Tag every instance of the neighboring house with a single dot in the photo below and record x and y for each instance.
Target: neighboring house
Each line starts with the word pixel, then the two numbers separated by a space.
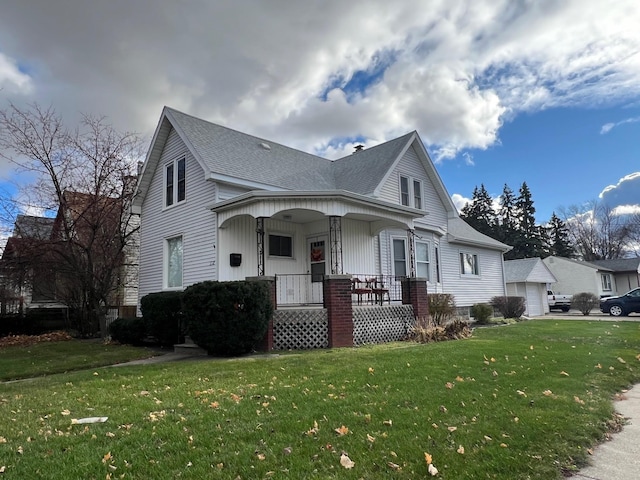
pixel 528 278
pixel 625 274
pixel 218 204
pixel 24 275
pixel 576 276
pixel 32 272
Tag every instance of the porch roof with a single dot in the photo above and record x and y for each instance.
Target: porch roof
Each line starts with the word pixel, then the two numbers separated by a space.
pixel 340 203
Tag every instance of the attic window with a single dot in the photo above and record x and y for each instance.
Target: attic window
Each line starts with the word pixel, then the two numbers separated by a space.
pixel 175 182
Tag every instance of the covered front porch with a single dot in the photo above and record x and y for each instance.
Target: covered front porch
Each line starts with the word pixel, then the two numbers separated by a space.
pixel 300 237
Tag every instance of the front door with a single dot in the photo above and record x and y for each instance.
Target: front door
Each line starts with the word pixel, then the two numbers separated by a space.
pixel 317 266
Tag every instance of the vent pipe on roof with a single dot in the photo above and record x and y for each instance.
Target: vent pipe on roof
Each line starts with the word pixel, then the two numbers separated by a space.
pixel 358 148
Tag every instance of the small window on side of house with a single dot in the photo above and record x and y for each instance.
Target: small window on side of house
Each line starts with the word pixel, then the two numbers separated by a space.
pixel 468 264
pixel 175 182
pixel 417 194
pixel 173 262
pixel 404 191
pixel 606 282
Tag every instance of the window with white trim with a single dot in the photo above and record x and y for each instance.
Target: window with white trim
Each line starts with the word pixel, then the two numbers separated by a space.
pixel 411 192
pixel 399 252
pixel 423 268
pixel 173 262
pixel 605 278
pixel 175 182
pixel 469 264
pixel 280 245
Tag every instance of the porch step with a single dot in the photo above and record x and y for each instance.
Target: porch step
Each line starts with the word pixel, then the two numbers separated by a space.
pixel 189 348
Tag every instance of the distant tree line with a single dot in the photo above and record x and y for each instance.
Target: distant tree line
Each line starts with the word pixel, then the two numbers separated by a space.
pixel 593 232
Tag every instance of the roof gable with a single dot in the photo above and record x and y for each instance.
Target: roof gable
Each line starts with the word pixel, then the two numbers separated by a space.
pixel 531 270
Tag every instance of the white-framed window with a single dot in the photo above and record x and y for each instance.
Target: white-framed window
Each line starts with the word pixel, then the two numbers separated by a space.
pixel 173 262
pixel 175 182
pixel 423 263
pixel 436 254
pixel 411 192
pixel 469 264
pixel 280 245
pixel 605 278
pixel 417 194
pixel 399 253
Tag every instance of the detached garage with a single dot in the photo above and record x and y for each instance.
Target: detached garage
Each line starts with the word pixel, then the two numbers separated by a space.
pixel 529 278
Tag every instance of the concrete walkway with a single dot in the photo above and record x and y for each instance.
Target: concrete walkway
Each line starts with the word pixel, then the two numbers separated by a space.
pixel 619 458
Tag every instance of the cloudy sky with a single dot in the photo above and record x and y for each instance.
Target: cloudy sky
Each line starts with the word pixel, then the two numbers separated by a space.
pixel 501 91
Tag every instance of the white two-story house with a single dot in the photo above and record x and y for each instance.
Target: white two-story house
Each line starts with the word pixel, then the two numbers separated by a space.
pixel 218 204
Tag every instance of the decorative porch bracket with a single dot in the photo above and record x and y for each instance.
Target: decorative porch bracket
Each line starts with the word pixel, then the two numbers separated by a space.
pixel 335 244
pixel 411 234
pixel 260 244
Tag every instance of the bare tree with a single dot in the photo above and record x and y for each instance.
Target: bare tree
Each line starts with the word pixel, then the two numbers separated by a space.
pixel 597 232
pixel 87 176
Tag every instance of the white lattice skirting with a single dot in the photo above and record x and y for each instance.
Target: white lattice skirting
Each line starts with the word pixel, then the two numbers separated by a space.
pixel 300 329
pixel 381 324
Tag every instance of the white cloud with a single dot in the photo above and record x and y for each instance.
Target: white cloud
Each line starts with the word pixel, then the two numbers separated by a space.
pixel 454 71
pixel 459 201
pixel 624 193
pixel 12 79
pixel 607 127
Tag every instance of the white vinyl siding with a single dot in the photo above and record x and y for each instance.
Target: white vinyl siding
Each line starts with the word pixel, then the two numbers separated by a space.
pixel 410 166
pixel 188 218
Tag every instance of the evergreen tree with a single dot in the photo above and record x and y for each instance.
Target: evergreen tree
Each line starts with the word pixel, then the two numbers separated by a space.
pixel 558 238
pixel 528 241
pixel 506 228
pixel 479 212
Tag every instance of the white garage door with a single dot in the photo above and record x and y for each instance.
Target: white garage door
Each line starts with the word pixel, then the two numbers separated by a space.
pixel 534 300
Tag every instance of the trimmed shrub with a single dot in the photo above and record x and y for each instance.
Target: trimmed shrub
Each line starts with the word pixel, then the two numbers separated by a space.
pixel 509 307
pixel 585 302
pixel 227 318
pixel 457 329
pixel 442 308
pixel 130 330
pixel 162 313
pixel 482 312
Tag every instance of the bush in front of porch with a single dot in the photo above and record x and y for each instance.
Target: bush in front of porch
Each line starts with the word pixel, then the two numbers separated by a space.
pixel 227 318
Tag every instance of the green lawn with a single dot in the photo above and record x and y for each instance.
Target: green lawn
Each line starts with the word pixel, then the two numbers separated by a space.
pixel 58 357
pixel 522 401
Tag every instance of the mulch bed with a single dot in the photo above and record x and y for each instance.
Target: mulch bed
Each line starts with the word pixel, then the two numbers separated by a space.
pixel 26 340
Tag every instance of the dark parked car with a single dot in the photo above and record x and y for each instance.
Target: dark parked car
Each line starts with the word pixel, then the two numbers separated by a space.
pixel 622 304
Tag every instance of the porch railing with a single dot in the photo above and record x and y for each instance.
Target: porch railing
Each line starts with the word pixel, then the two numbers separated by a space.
pixel 306 289
pixel 298 289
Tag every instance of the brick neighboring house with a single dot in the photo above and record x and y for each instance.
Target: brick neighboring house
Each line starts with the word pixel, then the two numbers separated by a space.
pixel 34 273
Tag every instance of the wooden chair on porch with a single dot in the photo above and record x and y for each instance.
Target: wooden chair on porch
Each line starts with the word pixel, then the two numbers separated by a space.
pixel 360 288
pixel 378 290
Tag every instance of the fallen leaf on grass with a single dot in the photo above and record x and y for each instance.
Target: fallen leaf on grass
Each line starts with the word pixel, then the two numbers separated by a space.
pixel 388 423
pixel 621 360
pixel 65 412
pixel 107 457
pixel 564 373
pixel 346 462
pixel 460 450
pixel 449 385
pixel 432 470
pixel 452 429
pixel 547 393
pixel 520 392
pixel 370 438
pixel 428 458
pixel 578 400
pixel 394 466
pixel 341 431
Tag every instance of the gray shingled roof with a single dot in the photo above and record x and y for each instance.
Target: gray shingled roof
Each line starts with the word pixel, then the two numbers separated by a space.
pixel 363 171
pixel 527 270
pixel 461 232
pixel 619 264
pixel 229 152
pixel 28 226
